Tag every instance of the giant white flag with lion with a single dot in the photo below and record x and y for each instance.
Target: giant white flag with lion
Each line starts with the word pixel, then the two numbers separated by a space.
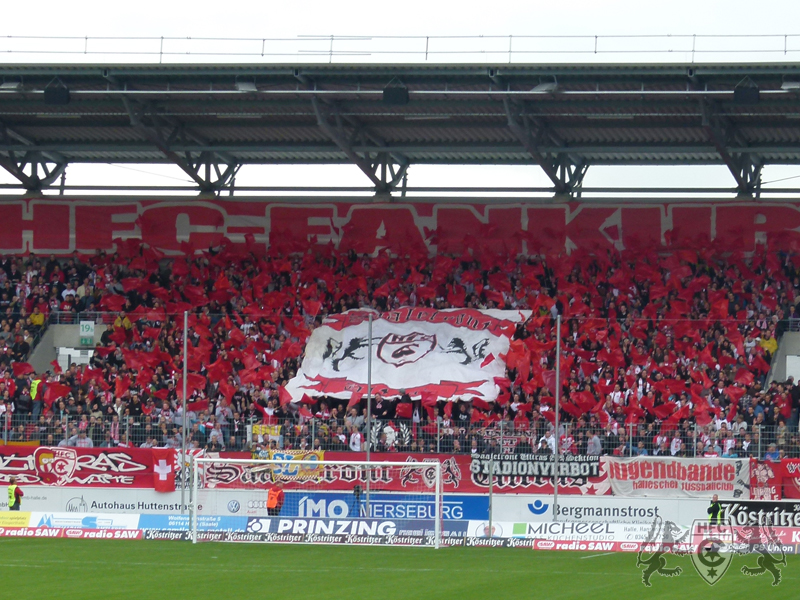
pixel 441 353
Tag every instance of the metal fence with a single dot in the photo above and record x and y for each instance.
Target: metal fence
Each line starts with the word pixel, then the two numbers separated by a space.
pixel 406 436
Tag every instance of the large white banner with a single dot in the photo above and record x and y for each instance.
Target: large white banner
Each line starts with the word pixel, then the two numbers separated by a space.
pixel 679 477
pixel 445 353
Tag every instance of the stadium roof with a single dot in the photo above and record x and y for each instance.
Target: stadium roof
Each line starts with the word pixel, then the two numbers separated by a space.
pixel 211 119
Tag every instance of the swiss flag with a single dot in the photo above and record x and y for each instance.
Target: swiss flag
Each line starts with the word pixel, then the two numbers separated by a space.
pixel 164 469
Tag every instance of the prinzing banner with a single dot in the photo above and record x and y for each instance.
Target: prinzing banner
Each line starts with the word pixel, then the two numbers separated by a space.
pixel 443 353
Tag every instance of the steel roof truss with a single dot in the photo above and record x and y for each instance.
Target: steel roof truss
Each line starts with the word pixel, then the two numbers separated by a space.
pixel 210 170
pixel 745 167
pixel 565 170
pixel 385 170
pixel 35 169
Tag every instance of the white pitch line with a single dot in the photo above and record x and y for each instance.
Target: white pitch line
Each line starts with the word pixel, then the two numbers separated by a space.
pixel 594 555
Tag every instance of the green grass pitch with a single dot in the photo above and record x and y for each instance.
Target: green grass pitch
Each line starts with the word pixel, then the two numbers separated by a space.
pixel 139 570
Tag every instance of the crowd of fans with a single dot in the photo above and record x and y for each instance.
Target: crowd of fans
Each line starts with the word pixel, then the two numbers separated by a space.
pixel 660 353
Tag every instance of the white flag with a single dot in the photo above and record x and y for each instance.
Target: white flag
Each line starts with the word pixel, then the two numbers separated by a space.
pixel 446 353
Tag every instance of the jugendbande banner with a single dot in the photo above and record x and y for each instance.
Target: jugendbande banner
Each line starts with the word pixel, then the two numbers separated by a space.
pixel 441 353
pixel 92 467
pixel 676 477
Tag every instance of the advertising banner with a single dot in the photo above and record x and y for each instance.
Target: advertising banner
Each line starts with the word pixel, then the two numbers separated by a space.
pixel 84 520
pixel 382 505
pixel 174 225
pixel 85 467
pixel 182 522
pixel 755 512
pixel 563 531
pixel 441 353
pixel 601 509
pixel 353 531
pixel 679 477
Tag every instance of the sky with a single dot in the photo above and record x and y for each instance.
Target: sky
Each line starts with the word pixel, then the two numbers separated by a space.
pixel 288 20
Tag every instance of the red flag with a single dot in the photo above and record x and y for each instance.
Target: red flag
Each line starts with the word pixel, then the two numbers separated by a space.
pixel 549 378
pixel 284 396
pixel 760 364
pixel 312 307
pixel 164 469
pixel 54 392
pixel 355 398
pixel 702 414
pixel 197 405
pixel 477 416
pixel 732 411
pixel 21 368
pixel 227 390
pixel 57 367
pixel 488 360
pixel 480 404
pixel 404 410
pixel 744 377
pixel 428 399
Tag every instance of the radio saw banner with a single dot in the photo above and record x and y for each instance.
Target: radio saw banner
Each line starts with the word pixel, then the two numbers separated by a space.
pixel 441 353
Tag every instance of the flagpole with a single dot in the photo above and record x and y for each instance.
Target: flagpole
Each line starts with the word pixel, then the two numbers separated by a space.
pixel 558 410
pixel 369 401
pixel 183 431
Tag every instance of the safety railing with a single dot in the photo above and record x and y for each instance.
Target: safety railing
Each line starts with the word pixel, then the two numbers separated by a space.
pixel 406 49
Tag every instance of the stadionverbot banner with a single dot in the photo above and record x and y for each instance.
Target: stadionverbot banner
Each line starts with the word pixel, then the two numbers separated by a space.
pixel 441 353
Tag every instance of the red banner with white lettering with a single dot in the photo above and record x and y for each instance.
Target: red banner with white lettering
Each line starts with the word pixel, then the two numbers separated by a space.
pixel 679 477
pixel 93 467
pixel 791 477
pixel 177 226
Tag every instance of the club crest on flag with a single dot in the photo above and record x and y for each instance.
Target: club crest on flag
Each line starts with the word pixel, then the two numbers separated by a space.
pixel 403 349
pixel 55 466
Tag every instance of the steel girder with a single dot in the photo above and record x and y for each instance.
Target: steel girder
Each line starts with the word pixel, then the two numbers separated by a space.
pixel 211 170
pixel 744 166
pixel 384 168
pixel 34 168
pixel 563 168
